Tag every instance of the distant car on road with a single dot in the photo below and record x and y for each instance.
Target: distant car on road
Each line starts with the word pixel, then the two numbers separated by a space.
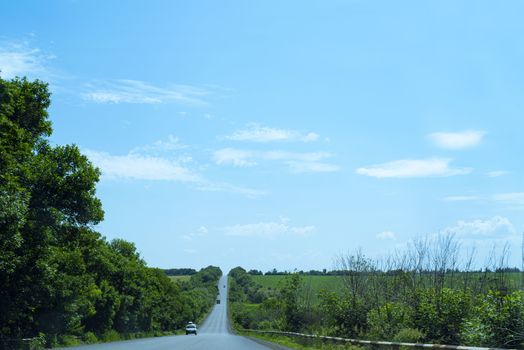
pixel 218 301
pixel 191 328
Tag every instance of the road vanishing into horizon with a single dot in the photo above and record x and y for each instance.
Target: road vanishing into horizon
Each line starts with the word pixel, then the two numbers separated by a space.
pixel 214 334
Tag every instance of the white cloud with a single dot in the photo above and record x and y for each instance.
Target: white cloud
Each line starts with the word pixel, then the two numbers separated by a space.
pixel 226 187
pixel 514 199
pixel 387 235
pixel 138 167
pixel 294 156
pixel 409 168
pixel 270 229
pixel 172 143
pixel 457 140
pixel 235 157
pixel 18 59
pixel 312 167
pixel 497 227
pixel 497 173
pixel 461 198
pixel 296 162
pixel 140 92
pixel 200 232
pixel 309 137
pixel 259 133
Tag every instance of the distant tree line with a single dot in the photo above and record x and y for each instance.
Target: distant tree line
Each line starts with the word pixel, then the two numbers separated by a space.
pixel 60 280
pixel 180 272
pixel 324 272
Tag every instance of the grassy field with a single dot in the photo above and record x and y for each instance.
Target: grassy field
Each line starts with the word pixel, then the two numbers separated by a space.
pixel 312 283
pixel 334 283
pixel 315 282
pixel 179 278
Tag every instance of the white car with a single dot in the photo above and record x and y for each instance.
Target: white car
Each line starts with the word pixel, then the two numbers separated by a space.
pixel 191 328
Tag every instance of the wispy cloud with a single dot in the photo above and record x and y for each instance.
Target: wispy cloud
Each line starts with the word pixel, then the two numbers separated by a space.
pixel 235 157
pixel 211 186
pixel 461 198
pixel 387 235
pixel 172 143
pixel 202 231
pixel 295 161
pixel 19 59
pixel 410 168
pixel 514 199
pixel 271 229
pixel 258 133
pixel 457 140
pixel 141 92
pixel 134 166
pixel 497 173
pixel 312 167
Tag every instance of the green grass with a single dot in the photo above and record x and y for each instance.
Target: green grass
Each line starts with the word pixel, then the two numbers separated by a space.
pixel 179 278
pixel 316 283
pixel 301 344
pixel 313 284
pixel 335 283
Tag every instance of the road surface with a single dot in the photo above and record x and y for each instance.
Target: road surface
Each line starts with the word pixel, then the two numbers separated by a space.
pixel 213 334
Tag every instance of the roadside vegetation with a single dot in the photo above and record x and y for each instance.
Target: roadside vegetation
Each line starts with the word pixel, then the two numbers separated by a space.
pixel 299 343
pixel 428 293
pixel 61 282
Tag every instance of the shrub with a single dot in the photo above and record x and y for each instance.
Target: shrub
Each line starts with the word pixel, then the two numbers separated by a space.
pixel 90 338
pixel 69 340
pixel 38 342
pixel 386 321
pixel 498 321
pixel 440 315
pixel 111 335
pixel 475 333
pixel 409 335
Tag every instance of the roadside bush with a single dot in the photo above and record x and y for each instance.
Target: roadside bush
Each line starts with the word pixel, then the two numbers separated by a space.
pixel 244 315
pixel 498 321
pixel 409 335
pixel 440 315
pixel 111 335
pixel 345 315
pixel 386 321
pixel 90 338
pixel 69 340
pixel 475 332
pixel 38 342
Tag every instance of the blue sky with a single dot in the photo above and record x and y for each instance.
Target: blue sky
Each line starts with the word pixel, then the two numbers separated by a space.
pixel 283 134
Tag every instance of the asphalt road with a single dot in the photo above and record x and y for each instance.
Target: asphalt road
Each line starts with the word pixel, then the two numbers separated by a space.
pixel 213 334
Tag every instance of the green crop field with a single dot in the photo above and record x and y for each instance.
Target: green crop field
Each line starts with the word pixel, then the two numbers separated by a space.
pixel 334 283
pixel 312 283
pixel 315 282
